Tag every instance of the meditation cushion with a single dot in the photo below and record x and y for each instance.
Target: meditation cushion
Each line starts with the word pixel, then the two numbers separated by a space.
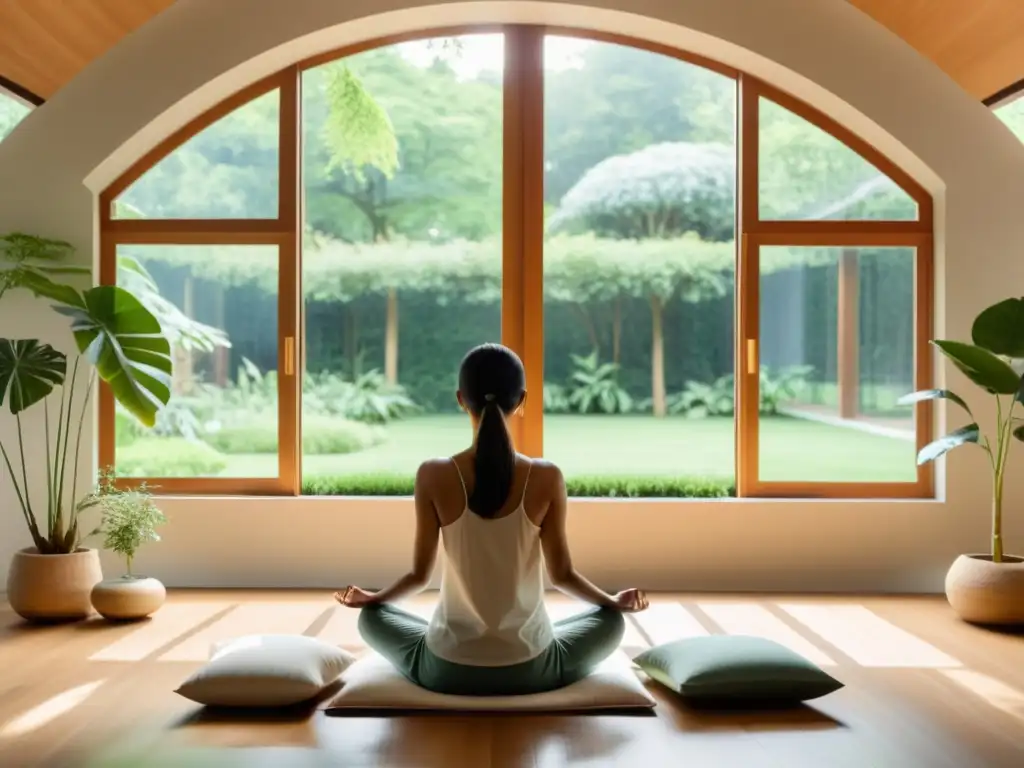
pixel 736 668
pixel 372 683
pixel 265 671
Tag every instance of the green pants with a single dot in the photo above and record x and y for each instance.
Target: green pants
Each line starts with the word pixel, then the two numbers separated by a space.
pixel 581 643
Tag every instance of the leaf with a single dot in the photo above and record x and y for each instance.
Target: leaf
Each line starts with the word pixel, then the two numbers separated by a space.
pixel 934 394
pixel 123 340
pixel 1000 328
pixel 1019 433
pixel 937 448
pixel 29 371
pixel 981 366
pixel 38 283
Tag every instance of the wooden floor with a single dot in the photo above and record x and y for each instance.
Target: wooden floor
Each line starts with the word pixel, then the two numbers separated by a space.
pixel 922 689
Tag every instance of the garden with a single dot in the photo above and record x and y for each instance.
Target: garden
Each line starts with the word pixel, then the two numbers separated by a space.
pixel 402 274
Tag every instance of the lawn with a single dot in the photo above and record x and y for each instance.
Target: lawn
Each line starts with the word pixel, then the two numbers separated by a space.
pixel 633 446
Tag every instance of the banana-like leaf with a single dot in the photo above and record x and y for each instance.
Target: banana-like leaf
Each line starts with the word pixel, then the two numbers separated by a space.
pixel 1000 328
pixel 122 338
pixel 942 446
pixel 934 394
pixel 982 367
pixel 29 370
pixel 36 281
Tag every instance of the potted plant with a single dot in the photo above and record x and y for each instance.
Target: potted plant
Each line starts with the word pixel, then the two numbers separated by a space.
pixel 121 343
pixel 130 519
pixel 987 588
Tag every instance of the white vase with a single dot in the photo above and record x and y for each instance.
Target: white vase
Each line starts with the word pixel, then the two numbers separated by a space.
pixel 52 587
pixel 984 592
pixel 128 598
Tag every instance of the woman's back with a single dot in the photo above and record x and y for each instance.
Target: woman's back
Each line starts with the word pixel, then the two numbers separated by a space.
pixel 491 609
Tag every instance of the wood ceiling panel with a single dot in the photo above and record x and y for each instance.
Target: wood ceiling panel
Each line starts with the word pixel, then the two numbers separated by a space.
pixel 44 43
pixel 979 43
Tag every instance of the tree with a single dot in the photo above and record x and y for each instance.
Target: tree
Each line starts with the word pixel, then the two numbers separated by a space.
pixel 663 191
pixel 444 182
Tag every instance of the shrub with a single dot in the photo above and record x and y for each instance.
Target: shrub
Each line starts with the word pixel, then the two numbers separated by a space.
pixel 578 487
pixel 319 436
pixel 595 388
pixel 367 398
pixel 169 457
pixel 556 399
pixel 126 429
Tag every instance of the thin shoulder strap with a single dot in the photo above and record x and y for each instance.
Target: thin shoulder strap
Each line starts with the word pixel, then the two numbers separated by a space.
pixel 465 494
pixel 529 468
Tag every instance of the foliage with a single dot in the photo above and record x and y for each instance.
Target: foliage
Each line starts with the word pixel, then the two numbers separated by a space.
pixel 368 398
pixel 177 419
pixel 577 487
pixel 662 190
pixel 358 131
pixel 700 399
pixel 129 517
pixel 995 332
pixel 781 388
pixel 556 398
pixel 594 388
pixel 320 436
pixel 169 457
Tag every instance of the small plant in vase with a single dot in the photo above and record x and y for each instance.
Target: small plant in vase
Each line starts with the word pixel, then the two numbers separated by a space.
pixel 987 588
pixel 130 519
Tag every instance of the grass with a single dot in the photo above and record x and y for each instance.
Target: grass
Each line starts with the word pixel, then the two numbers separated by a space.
pixel 617 453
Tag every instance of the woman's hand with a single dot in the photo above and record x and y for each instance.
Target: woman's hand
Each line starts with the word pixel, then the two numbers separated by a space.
pixel 631 601
pixel 354 597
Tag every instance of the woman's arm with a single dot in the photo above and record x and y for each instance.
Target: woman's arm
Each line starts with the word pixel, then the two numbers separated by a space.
pixel 424 556
pixel 563 575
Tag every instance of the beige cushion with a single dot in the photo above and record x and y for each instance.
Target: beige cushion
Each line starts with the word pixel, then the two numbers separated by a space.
pixel 373 683
pixel 265 671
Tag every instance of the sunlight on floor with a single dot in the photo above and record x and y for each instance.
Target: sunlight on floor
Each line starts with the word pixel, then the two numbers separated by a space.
pixel 171 622
pixel 664 622
pixel 49 710
pixel 995 692
pixel 247 619
pixel 868 639
pixel 752 619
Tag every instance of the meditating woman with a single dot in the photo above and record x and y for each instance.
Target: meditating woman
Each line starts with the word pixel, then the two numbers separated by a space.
pixel 496 512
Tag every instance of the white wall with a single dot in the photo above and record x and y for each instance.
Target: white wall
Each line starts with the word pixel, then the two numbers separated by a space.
pixel 823 50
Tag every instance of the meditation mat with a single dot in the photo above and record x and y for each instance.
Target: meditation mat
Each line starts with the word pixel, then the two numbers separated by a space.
pixel 372 683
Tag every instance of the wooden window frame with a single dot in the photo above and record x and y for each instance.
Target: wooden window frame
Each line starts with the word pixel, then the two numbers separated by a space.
pixel 522 318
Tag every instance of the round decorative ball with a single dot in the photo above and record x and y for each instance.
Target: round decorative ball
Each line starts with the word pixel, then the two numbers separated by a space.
pixel 128 598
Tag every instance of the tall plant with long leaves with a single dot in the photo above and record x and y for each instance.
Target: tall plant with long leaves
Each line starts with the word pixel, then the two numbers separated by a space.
pixel 993 362
pixel 120 341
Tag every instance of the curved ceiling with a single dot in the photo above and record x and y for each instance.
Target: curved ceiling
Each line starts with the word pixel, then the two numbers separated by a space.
pixel 45 43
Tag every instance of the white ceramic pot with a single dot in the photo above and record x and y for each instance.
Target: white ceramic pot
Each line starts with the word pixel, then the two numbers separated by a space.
pixel 984 592
pixel 53 587
pixel 128 598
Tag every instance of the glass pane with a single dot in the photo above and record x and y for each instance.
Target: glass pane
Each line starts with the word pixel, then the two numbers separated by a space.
pixel 808 174
pixel 402 266
pixel 638 267
pixel 218 307
pixel 229 170
pixel 1012 114
pixel 12 112
pixel 837 352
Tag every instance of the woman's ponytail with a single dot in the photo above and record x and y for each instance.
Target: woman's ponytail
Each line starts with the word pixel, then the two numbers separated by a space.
pixel 495 462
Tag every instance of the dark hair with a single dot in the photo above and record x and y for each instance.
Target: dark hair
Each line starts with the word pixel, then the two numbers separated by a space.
pixel 492 382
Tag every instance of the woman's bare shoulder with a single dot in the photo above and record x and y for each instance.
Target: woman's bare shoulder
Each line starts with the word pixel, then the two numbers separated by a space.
pixel 545 473
pixel 432 470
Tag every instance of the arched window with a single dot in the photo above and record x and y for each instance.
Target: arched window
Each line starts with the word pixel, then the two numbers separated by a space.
pixel 715 289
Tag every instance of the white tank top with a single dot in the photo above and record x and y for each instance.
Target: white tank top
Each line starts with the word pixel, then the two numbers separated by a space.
pixel 491 612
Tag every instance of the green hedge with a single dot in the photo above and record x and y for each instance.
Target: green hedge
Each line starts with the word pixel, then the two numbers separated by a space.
pixel 319 437
pixel 168 457
pixel 578 487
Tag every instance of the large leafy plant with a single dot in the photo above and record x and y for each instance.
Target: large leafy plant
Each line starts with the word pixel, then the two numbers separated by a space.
pixel 594 387
pixel 993 362
pixel 119 340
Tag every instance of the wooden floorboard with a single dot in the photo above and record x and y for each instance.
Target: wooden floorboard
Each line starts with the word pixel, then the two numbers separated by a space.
pixel 922 689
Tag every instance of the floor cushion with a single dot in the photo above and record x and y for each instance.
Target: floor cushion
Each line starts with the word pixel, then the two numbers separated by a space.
pixel 372 683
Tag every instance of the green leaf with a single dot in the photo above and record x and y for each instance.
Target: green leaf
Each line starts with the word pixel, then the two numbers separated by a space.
pixel 29 371
pixel 933 394
pixel 937 448
pixel 1000 328
pixel 123 340
pixel 41 285
pixel 981 366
